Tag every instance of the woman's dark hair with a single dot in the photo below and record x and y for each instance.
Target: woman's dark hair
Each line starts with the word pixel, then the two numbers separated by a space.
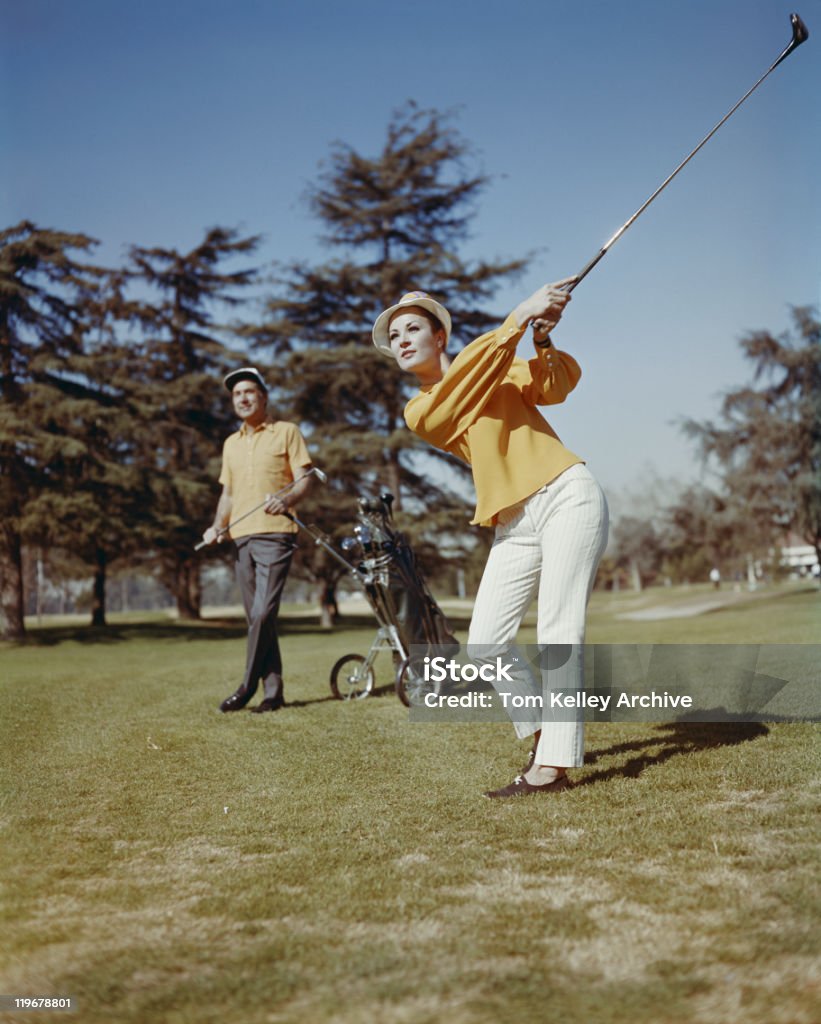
pixel 433 320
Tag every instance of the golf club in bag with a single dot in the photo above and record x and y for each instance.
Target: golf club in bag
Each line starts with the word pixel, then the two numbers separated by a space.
pixel 381 561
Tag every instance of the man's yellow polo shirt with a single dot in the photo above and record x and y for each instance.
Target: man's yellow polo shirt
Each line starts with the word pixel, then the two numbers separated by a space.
pixel 259 461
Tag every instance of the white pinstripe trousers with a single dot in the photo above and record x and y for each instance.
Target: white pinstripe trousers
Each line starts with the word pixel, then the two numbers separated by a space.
pixel 552 542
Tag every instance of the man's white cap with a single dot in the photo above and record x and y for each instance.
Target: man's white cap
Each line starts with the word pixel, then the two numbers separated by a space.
pixel 245 373
pixel 421 299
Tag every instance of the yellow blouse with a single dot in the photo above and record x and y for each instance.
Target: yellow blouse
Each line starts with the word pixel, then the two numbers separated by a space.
pixel 484 412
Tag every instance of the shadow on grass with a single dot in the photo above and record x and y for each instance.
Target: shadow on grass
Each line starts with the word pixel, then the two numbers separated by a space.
pixel 674 738
pixel 52 636
pixel 378 691
pixel 205 629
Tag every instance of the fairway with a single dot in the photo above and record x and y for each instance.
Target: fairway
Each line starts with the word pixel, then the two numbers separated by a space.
pixel 334 863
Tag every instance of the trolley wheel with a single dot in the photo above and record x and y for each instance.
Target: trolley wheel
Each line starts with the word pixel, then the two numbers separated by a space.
pixel 351 679
pixel 411 685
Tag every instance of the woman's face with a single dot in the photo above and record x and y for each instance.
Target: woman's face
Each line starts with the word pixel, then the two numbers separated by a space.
pixel 416 345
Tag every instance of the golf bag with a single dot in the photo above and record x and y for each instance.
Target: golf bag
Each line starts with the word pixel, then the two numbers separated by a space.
pixel 380 559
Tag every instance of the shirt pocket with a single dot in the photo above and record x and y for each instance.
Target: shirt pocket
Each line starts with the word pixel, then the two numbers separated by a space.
pixel 272 463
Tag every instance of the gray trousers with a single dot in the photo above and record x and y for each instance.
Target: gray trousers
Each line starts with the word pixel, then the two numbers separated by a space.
pixel 262 567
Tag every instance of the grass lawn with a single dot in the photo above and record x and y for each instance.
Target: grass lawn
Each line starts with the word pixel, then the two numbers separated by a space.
pixel 332 863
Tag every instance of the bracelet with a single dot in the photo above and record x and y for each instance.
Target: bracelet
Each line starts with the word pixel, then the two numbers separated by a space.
pixel 547 343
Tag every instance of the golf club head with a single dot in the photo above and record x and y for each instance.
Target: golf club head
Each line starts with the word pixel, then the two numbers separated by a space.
pixel 387 500
pixel 320 475
pixel 799 31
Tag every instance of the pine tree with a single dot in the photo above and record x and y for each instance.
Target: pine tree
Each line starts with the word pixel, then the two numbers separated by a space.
pixel 397 220
pixel 768 442
pixel 173 382
pixel 44 295
pixel 92 490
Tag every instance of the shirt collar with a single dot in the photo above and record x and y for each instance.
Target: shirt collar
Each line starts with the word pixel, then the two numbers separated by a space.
pixel 265 425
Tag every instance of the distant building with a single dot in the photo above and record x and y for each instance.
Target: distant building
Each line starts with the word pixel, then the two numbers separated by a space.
pixel 799 557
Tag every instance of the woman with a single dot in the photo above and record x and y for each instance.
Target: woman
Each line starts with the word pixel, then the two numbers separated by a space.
pixel 549 514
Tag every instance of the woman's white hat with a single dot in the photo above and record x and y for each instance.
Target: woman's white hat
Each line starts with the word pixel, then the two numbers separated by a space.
pixel 421 299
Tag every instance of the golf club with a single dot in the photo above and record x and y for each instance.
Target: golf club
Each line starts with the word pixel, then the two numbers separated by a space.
pixel 799 35
pixel 283 490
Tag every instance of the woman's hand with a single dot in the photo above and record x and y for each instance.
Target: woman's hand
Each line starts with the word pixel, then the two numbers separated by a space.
pixel 546 306
pixel 541 331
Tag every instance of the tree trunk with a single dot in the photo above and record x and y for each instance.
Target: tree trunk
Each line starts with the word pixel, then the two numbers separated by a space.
pixel 195 588
pixel 328 611
pixel 635 575
pixel 187 590
pixel 98 598
pixel 40 586
pixel 12 621
pixel 394 479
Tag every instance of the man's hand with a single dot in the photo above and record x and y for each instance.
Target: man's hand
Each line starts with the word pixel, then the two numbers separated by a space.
pixel 280 506
pixel 275 506
pixel 214 536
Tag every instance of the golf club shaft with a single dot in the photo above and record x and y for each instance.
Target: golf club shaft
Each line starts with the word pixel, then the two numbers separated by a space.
pixel 800 33
pixel 320 541
pixel 313 471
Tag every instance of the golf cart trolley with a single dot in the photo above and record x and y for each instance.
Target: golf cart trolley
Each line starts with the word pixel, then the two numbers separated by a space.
pixel 407 614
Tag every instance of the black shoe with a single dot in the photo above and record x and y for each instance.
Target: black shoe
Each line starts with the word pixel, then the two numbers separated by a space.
pixel 521 787
pixel 269 704
pixel 237 701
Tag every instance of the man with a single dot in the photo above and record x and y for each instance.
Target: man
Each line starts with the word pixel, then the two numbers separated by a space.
pixel 262 457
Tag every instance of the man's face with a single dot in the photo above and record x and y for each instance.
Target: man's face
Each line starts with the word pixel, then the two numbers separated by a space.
pixel 249 402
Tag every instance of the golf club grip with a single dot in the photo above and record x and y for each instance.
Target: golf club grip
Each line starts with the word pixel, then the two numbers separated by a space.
pixel 585 270
pixel 202 544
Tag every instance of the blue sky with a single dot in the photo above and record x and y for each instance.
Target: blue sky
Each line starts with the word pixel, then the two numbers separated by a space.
pixel 147 123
